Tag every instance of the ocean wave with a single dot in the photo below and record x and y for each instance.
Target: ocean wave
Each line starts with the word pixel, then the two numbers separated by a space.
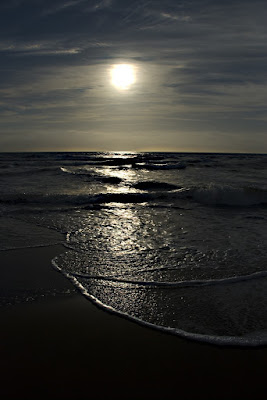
pixel 158 166
pixel 154 185
pixel 255 338
pixel 81 199
pixel 121 198
pixel 230 195
pixel 162 194
pixel 180 284
pixel 88 172
pixel 77 170
pixel 22 170
pixel 105 161
pixel 113 180
pixel 249 340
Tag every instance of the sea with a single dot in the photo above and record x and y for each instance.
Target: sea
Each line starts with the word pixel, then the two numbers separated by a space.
pixel 173 241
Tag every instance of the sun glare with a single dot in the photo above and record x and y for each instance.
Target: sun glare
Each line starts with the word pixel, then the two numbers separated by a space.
pixel 122 76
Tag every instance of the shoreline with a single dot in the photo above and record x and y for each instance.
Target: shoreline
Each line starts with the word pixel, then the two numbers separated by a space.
pixel 64 347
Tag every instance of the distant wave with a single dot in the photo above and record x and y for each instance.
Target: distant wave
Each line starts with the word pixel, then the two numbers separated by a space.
pixel 120 163
pixel 159 166
pixel 77 171
pixel 88 172
pixel 15 170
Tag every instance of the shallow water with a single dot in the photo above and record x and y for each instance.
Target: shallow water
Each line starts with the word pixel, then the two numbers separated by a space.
pixel 174 241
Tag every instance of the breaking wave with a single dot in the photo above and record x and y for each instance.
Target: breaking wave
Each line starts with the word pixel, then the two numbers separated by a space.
pixel 159 166
pixel 151 191
pixel 230 196
pixel 153 185
pixel 80 199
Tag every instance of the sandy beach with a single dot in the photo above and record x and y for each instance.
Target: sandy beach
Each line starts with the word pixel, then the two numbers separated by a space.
pixel 61 346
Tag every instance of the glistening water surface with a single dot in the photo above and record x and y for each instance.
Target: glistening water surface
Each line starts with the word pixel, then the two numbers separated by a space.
pixel 175 241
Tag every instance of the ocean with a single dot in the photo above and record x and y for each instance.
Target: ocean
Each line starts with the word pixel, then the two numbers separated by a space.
pixel 174 241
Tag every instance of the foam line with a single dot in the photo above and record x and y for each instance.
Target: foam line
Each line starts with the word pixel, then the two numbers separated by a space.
pixel 189 283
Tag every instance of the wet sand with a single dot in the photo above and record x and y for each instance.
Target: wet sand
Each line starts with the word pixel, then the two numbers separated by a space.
pixel 60 346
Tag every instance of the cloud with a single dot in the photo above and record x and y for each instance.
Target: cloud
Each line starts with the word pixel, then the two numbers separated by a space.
pixel 201 66
pixel 60 6
pixel 32 48
pixel 175 17
pixel 99 5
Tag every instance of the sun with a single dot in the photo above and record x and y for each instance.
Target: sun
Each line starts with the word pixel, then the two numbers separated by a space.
pixel 122 76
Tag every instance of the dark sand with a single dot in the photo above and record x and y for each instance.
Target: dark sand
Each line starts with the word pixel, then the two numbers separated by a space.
pixel 63 347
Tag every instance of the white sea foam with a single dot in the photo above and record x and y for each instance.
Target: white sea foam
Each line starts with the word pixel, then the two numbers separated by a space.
pixel 185 283
pixel 255 338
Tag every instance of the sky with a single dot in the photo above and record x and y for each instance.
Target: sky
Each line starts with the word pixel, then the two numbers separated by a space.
pixel 200 70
